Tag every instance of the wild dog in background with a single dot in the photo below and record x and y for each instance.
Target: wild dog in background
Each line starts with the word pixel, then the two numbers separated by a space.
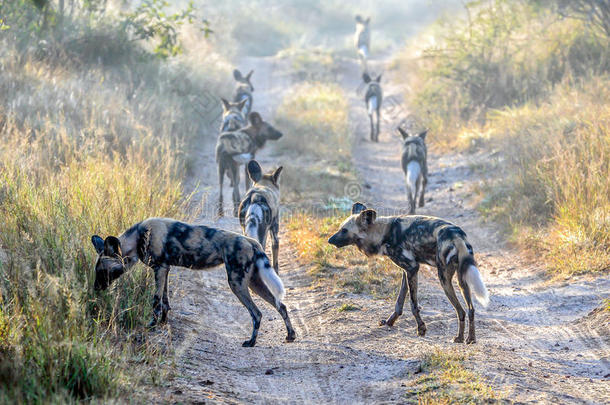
pixel 413 239
pixel 243 90
pixel 162 242
pixel 239 147
pixel 362 40
pixel 373 98
pixel 259 211
pixel 414 162
pixel 233 117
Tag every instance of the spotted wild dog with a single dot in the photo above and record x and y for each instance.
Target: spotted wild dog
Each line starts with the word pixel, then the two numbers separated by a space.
pixel 373 98
pixel 362 39
pixel 415 166
pixel 409 240
pixel 233 117
pixel 235 148
pixel 162 242
pixel 259 209
pixel 243 90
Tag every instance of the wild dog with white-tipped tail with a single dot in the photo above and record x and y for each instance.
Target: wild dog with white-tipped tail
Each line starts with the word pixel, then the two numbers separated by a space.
pixel 409 240
pixel 373 98
pixel 162 242
pixel 259 211
pixel 362 40
pixel 414 162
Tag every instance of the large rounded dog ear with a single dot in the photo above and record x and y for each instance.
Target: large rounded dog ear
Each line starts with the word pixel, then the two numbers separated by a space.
pixel 367 21
pixel 359 18
pixel 249 75
pixel 366 77
pixel 276 174
pixel 255 119
pixel 242 104
pixel 225 104
pixel 237 75
pixel 254 171
pixel 404 133
pixel 379 78
pixel 112 246
pixel 423 134
pixel 98 243
pixel 358 207
pixel 366 217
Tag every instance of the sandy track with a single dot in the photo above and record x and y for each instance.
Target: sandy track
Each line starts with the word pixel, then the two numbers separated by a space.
pixel 536 341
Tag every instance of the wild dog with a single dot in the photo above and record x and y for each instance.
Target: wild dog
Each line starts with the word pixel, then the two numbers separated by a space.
pixel 362 39
pixel 415 166
pixel 235 148
pixel 163 242
pixel 373 98
pixel 259 209
pixel 409 240
pixel 244 89
pixel 233 117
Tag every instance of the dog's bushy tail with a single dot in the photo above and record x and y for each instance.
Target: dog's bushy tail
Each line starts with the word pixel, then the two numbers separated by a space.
pixel 269 277
pixel 471 274
pixel 412 175
pixel 372 104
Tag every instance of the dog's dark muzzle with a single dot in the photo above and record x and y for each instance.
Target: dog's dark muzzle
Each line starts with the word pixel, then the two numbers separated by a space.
pixel 338 241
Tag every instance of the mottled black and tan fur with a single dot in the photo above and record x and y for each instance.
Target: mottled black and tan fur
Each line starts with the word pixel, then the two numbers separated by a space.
pixel 243 90
pixel 259 211
pixel 162 242
pixel 233 117
pixel 235 148
pixel 414 163
pixel 409 241
pixel 373 98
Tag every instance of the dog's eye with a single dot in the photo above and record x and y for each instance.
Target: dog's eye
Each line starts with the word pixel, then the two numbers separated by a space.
pixel 343 231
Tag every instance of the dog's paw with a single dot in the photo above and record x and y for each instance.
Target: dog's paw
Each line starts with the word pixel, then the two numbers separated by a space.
pixel 249 343
pixel 291 337
pixel 421 330
pixel 470 340
pixel 458 339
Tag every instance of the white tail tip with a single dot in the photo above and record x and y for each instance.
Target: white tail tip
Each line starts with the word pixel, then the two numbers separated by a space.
pixel 477 286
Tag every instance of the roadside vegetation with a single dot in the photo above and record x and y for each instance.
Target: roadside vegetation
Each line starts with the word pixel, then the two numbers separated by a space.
pixel 95 120
pixel 528 80
pixel 444 379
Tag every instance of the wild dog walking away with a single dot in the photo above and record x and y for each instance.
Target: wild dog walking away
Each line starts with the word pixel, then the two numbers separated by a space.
pixel 162 242
pixel 362 40
pixel 414 162
pixel 239 147
pixel 413 239
pixel 233 117
pixel 373 98
pixel 259 211
pixel 243 91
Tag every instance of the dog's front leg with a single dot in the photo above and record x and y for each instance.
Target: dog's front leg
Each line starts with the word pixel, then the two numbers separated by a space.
pixel 158 306
pixel 275 246
pixel 412 279
pixel 400 302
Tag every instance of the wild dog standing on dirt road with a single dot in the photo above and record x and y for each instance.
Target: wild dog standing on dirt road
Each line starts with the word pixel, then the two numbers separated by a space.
pixel 162 242
pixel 415 166
pixel 362 40
pixel 239 147
pixel 259 211
pixel 413 239
pixel 233 117
pixel 244 89
pixel 373 98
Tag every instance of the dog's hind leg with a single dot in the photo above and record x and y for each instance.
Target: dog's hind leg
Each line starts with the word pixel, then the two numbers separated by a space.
pixel 400 302
pixel 275 245
pixel 239 286
pixel 445 275
pixel 165 300
pixel 423 184
pixel 236 200
pixel 258 286
pixel 221 175
pixel 377 130
pixel 468 298
pixel 412 280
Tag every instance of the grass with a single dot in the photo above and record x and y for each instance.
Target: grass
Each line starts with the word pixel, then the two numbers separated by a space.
pixel 347 307
pixel 314 120
pixel 87 145
pixel 518 79
pixel 446 380
pixel 343 269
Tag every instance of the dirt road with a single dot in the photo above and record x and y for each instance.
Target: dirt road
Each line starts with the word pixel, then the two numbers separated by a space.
pixel 537 341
